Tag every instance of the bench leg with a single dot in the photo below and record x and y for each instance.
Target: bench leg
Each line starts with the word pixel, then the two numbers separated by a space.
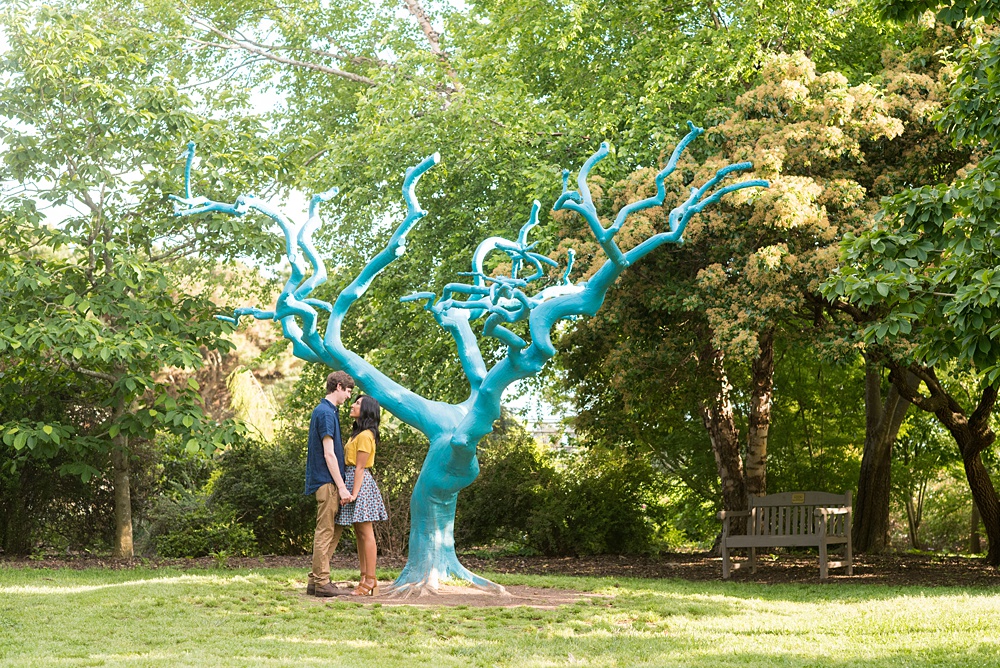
pixel 753 559
pixel 726 564
pixel 823 570
pixel 849 556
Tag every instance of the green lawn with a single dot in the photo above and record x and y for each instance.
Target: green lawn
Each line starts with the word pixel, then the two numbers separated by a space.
pixel 260 618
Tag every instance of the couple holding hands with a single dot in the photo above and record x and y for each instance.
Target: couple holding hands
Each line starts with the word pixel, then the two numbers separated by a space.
pixel 346 493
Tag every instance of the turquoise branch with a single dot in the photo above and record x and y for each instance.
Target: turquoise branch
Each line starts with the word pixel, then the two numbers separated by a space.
pixel 306 244
pixel 661 192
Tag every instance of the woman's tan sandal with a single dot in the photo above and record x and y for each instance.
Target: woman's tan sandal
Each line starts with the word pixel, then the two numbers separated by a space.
pixel 367 587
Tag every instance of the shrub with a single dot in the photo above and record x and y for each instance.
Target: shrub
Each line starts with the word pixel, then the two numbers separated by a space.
pixel 601 502
pixel 189 527
pixel 31 497
pixel 947 512
pixel 595 502
pixel 514 474
pixel 261 485
pixel 397 465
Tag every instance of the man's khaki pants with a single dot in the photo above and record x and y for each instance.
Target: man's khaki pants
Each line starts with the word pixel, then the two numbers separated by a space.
pixel 327 504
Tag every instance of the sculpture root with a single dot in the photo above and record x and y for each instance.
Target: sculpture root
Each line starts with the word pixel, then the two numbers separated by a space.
pixel 429 586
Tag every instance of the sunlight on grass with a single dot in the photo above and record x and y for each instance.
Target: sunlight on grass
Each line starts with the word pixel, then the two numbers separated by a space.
pixel 262 618
pixel 181 579
pixel 320 641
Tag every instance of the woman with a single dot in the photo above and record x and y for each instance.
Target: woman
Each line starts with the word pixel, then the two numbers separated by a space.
pixel 366 504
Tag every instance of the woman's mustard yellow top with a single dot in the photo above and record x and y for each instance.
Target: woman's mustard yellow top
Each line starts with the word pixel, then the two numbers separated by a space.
pixel 363 442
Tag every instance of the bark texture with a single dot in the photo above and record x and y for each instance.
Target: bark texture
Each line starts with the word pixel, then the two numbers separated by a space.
pixel 983 493
pixel 870 531
pixel 123 500
pixel 718 417
pixel 973 435
pixel 740 477
pixel 975 541
pixel 761 399
pixel 914 511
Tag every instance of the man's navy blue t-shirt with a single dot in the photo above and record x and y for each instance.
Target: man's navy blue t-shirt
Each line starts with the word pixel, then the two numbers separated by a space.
pixel 324 422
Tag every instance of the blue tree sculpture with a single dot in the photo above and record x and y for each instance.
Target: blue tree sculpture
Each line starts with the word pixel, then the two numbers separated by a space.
pixel 454 430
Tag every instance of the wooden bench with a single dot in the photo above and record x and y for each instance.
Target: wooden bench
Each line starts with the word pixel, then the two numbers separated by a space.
pixel 792 519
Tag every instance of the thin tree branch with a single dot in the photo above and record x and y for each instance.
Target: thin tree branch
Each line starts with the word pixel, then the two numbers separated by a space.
pixel 715 15
pixel 84 196
pixel 87 372
pixel 265 51
pixel 348 58
pixel 898 376
pixel 434 39
pixel 315 156
pixel 249 60
pixel 172 253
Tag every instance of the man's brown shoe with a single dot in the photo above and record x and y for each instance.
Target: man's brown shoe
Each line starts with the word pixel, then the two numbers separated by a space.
pixel 327 590
pixel 311 589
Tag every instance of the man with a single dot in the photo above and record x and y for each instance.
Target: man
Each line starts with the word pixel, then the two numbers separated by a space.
pixel 325 478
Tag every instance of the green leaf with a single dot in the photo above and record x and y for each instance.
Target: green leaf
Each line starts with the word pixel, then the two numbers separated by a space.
pixel 192 446
pixel 78 353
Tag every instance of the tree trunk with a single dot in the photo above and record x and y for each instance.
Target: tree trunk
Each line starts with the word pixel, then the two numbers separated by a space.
pixel 913 521
pixel 123 499
pixel 882 421
pixel 975 542
pixel 446 471
pixel 16 524
pixel 761 398
pixel 973 435
pixel 985 497
pixel 717 415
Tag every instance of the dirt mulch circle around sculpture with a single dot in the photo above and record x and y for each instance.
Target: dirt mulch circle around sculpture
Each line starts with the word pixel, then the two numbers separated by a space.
pixel 545 598
pixel 798 568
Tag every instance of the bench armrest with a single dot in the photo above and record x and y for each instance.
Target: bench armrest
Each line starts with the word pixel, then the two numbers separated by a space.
pixel 836 510
pixel 723 514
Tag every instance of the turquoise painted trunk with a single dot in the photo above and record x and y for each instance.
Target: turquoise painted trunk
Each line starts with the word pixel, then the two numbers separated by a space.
pixel 432 557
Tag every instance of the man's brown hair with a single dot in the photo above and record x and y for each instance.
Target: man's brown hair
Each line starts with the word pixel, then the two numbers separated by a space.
pixel 339 379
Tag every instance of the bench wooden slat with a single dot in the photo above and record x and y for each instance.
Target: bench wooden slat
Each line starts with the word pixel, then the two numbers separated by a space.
pixel 808 499
pixel 782 541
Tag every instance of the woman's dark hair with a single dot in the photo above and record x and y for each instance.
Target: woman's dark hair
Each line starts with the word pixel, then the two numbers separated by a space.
pixel 370 417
